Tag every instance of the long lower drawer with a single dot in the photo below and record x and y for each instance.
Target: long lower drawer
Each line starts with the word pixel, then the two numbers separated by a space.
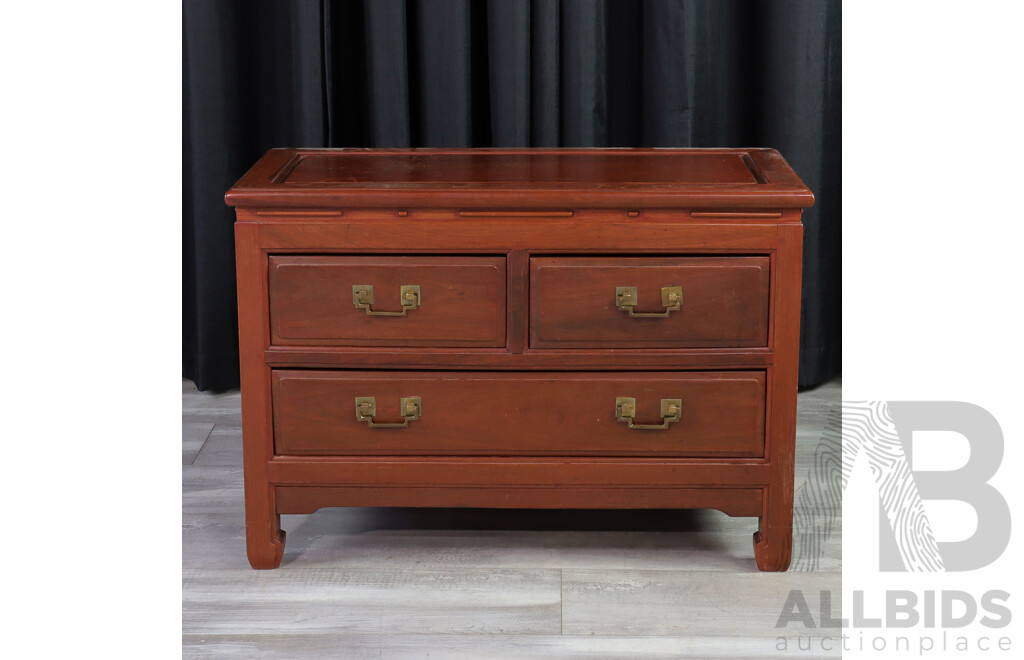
pixel 694 414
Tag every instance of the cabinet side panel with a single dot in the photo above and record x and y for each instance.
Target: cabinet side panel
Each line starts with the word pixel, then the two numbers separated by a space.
pixel 773 540
pixel 264 538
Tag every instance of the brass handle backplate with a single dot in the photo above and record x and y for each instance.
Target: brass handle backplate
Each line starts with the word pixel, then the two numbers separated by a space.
pixel 625 411
pixel 362 298
pixel 366 409
pixel 671 300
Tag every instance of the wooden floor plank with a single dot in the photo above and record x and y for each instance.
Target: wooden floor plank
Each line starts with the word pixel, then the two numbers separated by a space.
pixel 681 603
pixel 477 647
pixel 193 434
pixel 397 600
pixel 223 447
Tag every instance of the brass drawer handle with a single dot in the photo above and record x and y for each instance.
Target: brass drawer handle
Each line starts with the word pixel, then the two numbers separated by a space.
pixel 362 298
pixel 366 408
pixel 625 411
pixel 671 300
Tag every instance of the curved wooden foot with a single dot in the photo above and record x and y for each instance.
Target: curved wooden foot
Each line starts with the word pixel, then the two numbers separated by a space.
pixel 773 546
pixel 266 554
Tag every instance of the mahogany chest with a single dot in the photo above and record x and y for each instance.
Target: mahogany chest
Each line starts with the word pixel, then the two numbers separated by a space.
pixel 587 328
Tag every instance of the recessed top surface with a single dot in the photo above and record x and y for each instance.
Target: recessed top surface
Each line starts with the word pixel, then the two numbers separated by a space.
pixel 521 178
pixel 536 169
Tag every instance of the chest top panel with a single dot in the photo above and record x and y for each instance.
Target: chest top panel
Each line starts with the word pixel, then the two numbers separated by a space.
pixel 522 178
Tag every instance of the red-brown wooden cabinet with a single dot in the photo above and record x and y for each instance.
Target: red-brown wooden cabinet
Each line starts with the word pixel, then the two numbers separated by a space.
pixel 571 328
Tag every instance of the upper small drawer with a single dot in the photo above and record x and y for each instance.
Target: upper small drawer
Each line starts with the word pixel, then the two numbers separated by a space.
pixel 387 301
pixel 656 302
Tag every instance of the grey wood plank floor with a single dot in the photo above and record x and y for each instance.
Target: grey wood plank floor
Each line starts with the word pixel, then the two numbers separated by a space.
pixel 472 583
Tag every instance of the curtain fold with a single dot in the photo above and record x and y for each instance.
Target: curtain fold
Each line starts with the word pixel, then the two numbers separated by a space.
pixel 508 54
pixel 545 72
pixel 479 73
pixel 387 70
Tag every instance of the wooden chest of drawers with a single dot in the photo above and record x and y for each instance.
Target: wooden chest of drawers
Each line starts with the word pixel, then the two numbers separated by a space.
pixel 519 328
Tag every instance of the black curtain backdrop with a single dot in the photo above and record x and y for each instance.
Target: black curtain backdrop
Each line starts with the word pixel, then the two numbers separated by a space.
pixel 481 73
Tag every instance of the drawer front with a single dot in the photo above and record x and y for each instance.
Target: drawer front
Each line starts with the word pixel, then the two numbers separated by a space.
pixel 717 414
pixel 416 301
pixel 580 303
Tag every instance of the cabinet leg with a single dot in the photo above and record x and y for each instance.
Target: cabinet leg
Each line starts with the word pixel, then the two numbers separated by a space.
pixel 264 538
pixel 773 543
